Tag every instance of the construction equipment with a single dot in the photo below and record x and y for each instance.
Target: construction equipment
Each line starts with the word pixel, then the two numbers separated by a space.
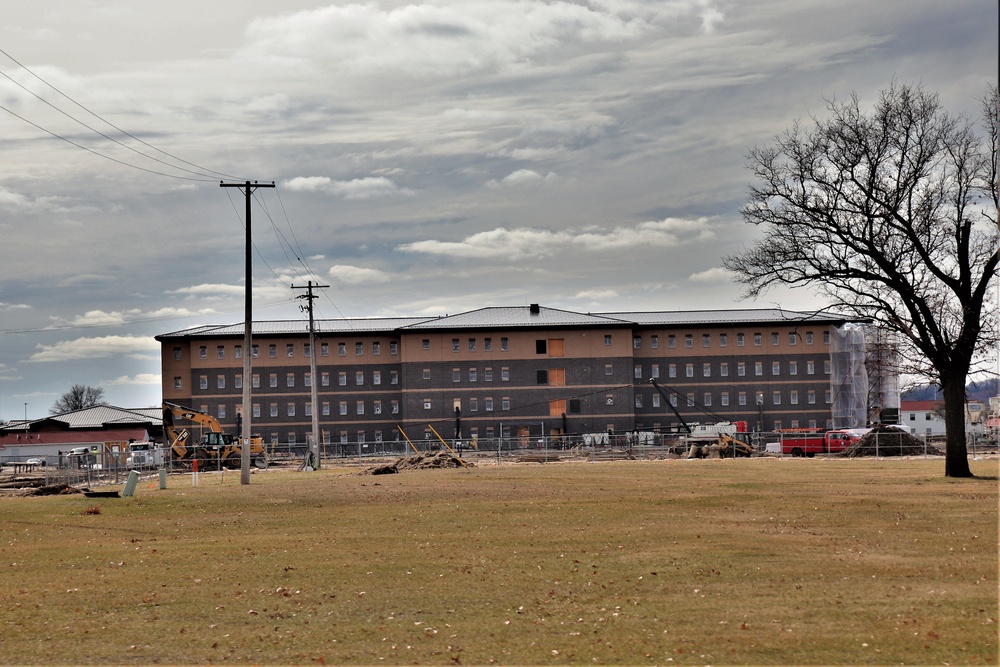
pixel 704 439
pixel 215 447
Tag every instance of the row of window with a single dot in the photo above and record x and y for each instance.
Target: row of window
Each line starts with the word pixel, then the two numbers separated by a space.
pixel 272 350
pixel 723 368
pixel 361 407
pixel 343 437
pixel 794 337
pixel 291 379
pixel 742 397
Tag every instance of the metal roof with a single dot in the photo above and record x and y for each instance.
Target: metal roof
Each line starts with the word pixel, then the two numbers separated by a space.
pixel 749 316
pixel 517 316
pixel 96 417
pixel 291 327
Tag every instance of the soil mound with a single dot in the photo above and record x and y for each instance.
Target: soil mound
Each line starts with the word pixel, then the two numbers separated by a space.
pixel 440 459
pixel 888 441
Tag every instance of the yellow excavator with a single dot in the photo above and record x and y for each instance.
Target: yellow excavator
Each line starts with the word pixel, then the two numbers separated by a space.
pixel 215 447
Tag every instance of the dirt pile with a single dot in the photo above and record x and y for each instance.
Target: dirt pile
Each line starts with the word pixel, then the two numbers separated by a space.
pixel 440 459
pixel 888 441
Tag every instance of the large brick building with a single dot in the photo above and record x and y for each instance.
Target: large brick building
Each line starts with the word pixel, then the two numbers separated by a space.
pixel 518 371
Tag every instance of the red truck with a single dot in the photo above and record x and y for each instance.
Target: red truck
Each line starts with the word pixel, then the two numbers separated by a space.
pixel 819 442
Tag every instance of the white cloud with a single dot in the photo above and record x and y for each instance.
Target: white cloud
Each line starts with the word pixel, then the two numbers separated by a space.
pixel 144 379
pixel 212 290
pixel 14 306
pixel 359 188
pixel 716 274
pixel 356 275
pixel 522 178
pixel 596 294
pixel 537 243
pixel 97 348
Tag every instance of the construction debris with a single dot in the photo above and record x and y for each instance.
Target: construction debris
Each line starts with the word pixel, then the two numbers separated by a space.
pixel 890 441
pixel 440 459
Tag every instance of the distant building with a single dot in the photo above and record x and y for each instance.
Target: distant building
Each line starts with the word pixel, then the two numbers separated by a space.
pixel 525 372
pixel 926 418
pixel 103 426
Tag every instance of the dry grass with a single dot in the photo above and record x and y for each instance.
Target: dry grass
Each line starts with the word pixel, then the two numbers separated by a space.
pixel 681 562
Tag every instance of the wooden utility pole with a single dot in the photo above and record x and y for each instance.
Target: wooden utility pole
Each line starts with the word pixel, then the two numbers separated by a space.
pixel 248 189
pixel 313 391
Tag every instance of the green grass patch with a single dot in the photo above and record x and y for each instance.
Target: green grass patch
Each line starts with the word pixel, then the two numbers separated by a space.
pixel 679 562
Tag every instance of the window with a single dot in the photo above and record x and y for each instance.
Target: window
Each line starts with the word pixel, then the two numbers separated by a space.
pixel 607 339
pixel 221 412
pixel 688 340
pixel 202 352
pixel 324 349
pixel 290 350
pixel 793 338
pixel 426 343
pixel 740 340
pixel 810 367
pixel 826 337
pixel 690 399
pixel 341 349
pixel 723 340
pixel 394 406
pixel 220 351
pixel 656 400
pixel 487 375
pixel 359 407
pixel 776 397
pixel 505 403
pixel 775 368
pixel 343 407
pixel 758 368
pixel 238 351
pixel 289 379
pixel 324 379
pixel 609 369
pixel 724 369
pixel 393 377
pixel 706 399
pixel 359 378
pixel 672 370
pixel 637 345
pixel 637 372
pixel 828 396
pixel 427 404
pixel 238 382
pixel 706 340
pixel 654 341
pixel 256 410
pixel 177 382
pixel 809 338
pixel 307 409
pixel 307 349
pixel 272 351
pixel 203 382
pixel 504 374
pixel 454 345
pixel 359 349
pixel 811 397
pixel 291 409
pixel 488 404
pixel 706 370
pixel 488 344
pixel 689 370
pixel 342 378
pixel 256 380
pixel 793 397
pixel 826 366
pixel 473 375
pixel 757 339
pixel 291 437
pixel 456 375
pixel 741 398
pixel 724 399
pixel 427 374
pixel 376 348
pixel 671 341
pixel 273 409
pixel 177 354
pixel 473 404
pixel 504 343
pixel 655 371
pixel 376 377
pixel 393 348
pixel 308 379
pixel 774 338
pixel 472 345
pixel 541 377
pixel 574 406
pixel 272 380
pixel 255 351
pixel 741 368
pixel 326 408
pixel 673 400
pixel 638 400
pixel 793 368
pixel 541 346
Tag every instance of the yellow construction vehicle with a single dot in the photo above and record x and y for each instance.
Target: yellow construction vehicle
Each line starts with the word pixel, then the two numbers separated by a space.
pixel 215 447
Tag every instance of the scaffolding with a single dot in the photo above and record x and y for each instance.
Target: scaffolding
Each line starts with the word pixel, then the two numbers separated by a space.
pixel 849 376
pixel 882 362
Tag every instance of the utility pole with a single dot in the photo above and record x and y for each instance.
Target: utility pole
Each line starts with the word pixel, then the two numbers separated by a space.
pixel 247 189
pixel 313 391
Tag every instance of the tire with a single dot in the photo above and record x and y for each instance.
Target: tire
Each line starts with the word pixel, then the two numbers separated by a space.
pixel 261 462
pixel 796 451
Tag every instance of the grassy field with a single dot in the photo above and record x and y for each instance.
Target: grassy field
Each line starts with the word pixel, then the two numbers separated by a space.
pixel 680 562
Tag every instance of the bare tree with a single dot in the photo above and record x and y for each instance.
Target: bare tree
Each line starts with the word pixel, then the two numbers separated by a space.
pixel 892 215
pixel 77 398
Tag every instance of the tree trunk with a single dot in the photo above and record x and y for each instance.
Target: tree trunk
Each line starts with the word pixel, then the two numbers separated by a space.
pixel 956 458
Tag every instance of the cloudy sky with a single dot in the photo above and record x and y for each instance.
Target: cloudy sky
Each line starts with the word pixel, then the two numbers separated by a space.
pixel 430 157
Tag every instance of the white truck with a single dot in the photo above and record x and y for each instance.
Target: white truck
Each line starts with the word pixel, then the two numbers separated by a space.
pixel 143 455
